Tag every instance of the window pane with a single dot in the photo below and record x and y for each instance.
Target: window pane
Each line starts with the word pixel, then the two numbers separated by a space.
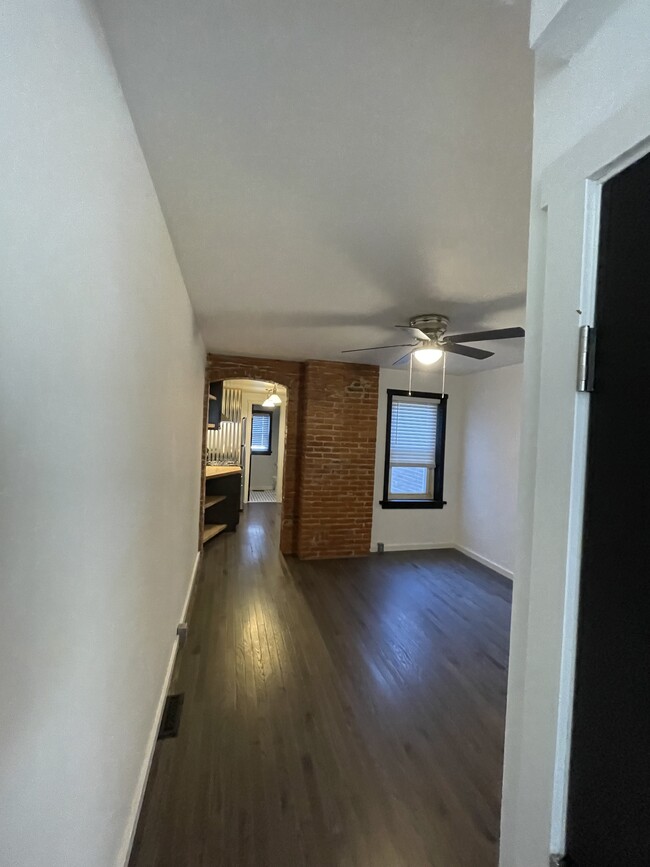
pixel 260 432
pixel 409 480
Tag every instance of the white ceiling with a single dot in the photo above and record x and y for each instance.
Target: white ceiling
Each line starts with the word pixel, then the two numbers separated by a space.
pixel 329 168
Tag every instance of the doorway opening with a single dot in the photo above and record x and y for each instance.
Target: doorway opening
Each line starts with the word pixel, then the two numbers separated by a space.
pixel 264 414
pixel 245 445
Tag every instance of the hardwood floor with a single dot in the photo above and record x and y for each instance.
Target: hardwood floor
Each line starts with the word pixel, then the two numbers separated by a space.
pixel 343 712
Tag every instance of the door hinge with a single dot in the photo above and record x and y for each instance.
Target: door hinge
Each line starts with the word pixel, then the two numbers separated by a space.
pixel 586 351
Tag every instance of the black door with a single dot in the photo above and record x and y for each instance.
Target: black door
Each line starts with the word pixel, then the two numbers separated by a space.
pixel 609 792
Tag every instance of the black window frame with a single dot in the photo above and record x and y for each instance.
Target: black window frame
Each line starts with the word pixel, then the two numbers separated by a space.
pixel 269 450
pixel 439 476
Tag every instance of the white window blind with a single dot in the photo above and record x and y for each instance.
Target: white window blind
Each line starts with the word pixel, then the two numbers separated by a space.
pixel 413 429
pixel 261 432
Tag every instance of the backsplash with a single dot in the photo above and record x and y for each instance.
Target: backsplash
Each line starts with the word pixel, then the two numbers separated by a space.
pixel 223 445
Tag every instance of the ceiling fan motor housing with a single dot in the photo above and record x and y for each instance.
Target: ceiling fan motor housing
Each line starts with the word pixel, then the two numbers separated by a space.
pixel 433 324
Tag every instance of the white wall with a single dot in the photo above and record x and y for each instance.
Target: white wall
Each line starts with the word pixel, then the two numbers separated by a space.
pixel 575 98
pixel 404 529
pixel 489 467
pixel 101 378
pixel 542 14
pixel 481 458
pixel 558 28
pixel 591 115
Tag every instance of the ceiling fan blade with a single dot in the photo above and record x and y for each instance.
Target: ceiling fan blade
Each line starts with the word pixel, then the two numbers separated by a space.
pixel 416 332
pixel 389 346
pixel 402 359
pixel 468 351
pixel 476 336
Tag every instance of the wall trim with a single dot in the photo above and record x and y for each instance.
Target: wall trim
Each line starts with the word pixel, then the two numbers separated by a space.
pixel 190 588
pixel 138 798
pixel 413 546
pixel 454 546
pixel 484 561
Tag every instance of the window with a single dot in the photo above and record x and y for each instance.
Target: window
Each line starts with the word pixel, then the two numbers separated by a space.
pixel 261 432
pixel 415 450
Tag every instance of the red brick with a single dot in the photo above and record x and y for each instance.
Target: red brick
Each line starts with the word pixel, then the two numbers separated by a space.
pixel 330 450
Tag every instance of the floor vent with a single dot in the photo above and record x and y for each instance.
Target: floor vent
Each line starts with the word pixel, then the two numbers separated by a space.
pixel 171 718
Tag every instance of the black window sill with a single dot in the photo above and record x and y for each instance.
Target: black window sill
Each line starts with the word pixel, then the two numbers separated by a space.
pixel 260 452
pixel 412 504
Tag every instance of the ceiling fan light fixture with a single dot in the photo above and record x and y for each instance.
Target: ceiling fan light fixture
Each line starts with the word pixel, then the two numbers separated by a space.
pixel 429 331
pixel 427 356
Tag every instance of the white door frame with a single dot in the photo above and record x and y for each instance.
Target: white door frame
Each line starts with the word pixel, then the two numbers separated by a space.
pixel 249 403
pixel 248 412
pixel 562 281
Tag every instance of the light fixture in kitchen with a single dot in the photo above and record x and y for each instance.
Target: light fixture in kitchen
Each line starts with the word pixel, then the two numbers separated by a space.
pixel 273 399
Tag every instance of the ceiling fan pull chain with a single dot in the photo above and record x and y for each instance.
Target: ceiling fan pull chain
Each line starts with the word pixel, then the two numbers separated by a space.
pixel 444 371
pixel 410 371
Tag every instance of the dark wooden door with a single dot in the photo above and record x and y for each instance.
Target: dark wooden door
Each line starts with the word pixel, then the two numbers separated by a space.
pixel 609 792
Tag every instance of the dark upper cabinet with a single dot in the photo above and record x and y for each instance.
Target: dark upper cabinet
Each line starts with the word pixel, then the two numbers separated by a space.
pixel 214 404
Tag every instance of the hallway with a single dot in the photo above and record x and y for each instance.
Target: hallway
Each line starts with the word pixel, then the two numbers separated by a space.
pixel 343 712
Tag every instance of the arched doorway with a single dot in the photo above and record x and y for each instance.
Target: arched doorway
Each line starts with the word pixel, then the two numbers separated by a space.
pixel 284 373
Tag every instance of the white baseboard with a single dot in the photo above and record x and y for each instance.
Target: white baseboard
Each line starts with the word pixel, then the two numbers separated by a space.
pixel 188 595
pixel 129 837
pixel 507 573
pixel 414 546
pixel 431 546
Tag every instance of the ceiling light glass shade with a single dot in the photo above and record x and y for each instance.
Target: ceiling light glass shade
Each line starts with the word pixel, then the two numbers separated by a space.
pixel 428 356
pixel 273 399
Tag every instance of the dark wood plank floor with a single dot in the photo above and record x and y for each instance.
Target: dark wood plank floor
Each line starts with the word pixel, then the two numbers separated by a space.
pixel 348 712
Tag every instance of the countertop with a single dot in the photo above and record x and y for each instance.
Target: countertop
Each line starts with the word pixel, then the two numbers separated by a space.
pixel 212 472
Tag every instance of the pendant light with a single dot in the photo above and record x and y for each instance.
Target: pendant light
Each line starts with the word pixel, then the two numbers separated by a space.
pixel 273 399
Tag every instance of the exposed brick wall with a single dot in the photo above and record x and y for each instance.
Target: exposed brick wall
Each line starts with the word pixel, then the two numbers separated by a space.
pixel 289 374
pixel 338 459
pixel 330 450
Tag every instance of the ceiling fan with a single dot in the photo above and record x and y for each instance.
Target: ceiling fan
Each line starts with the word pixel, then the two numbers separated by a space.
pixel 429 331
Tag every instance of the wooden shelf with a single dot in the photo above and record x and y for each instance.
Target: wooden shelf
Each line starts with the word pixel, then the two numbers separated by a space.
pixel 211 426
pixel 211 530
pixel 223 486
